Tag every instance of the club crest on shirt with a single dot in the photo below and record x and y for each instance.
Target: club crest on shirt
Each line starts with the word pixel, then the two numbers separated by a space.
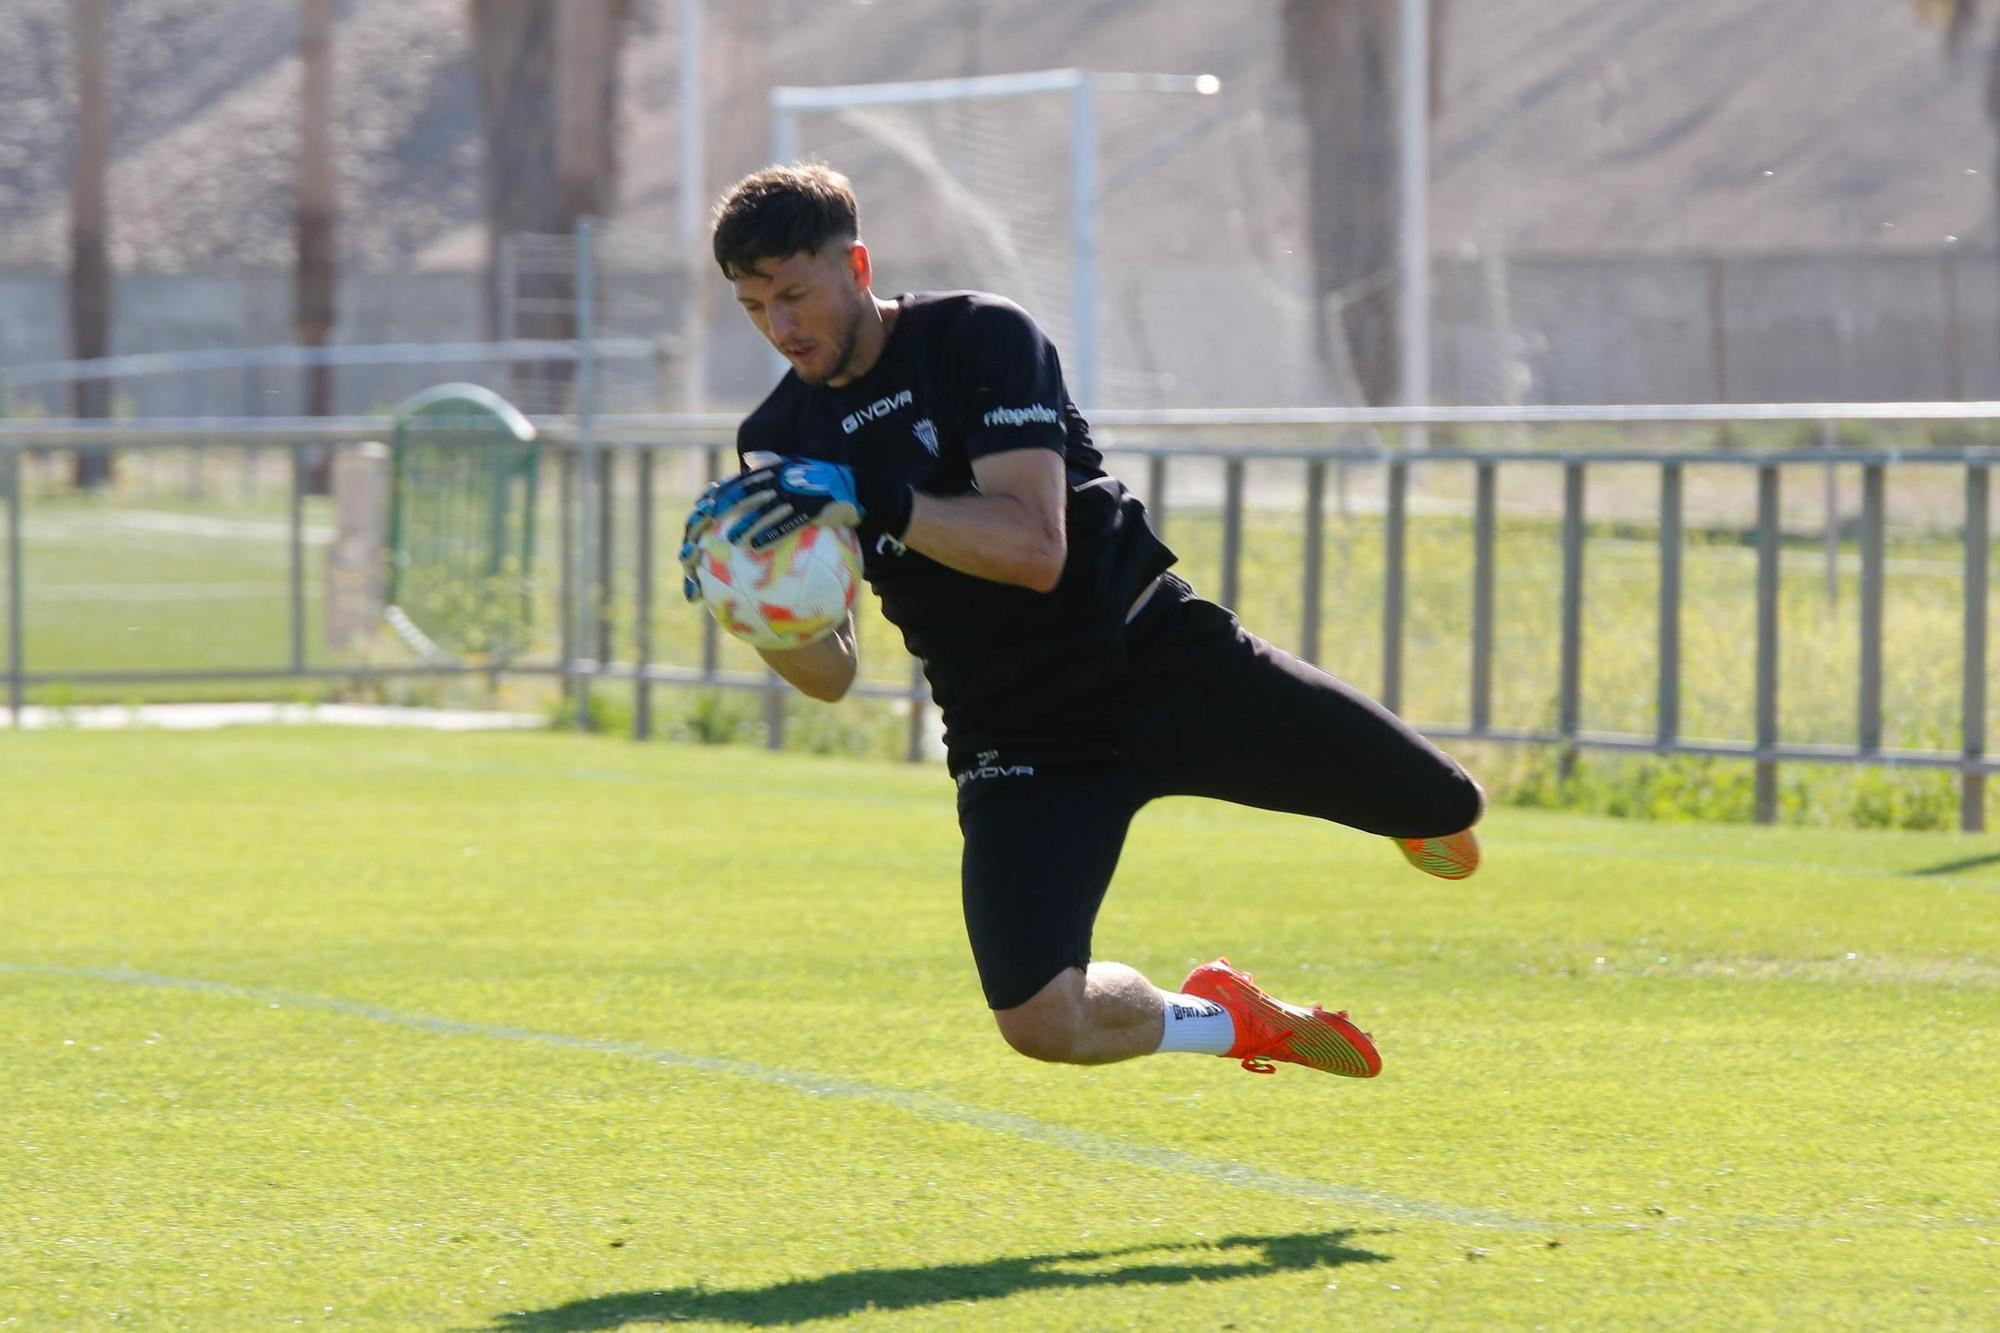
pixel 927 435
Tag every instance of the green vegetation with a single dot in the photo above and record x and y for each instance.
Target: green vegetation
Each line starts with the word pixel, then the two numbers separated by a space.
pixel 538 1032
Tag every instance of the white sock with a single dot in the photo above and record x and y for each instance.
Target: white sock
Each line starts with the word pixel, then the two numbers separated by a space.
pixel 1195 1024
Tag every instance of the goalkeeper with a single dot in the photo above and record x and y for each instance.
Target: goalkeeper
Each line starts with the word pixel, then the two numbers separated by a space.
pixel 1078 677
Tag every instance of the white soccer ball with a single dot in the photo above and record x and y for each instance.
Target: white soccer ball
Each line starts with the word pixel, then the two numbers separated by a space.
pixel 794 592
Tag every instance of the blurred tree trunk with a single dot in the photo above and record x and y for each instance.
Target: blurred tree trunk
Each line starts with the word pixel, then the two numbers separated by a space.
pixel 90 268
pixel 1993 100
pixel 1959 18
pixel 514 56
pixel 548 95
pixel 313 290
pixel 589 44
pixel 1343 57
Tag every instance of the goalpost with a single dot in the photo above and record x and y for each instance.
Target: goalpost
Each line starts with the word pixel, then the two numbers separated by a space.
pixel 960 144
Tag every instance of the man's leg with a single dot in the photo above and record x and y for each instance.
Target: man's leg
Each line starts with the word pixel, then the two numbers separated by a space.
pixel 1040 849
pixel 1240 720
pixel 1041 844
pixel 1108 1012
pixel 1091 1015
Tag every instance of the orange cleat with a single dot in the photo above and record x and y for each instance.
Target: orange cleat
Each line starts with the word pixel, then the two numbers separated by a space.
pixel 1268 1029
pixel 1454 856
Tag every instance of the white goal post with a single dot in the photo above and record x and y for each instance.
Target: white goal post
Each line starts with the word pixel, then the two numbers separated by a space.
pixel 1083 90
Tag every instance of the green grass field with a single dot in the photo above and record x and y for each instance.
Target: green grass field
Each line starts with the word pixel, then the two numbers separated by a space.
pixel 539 1032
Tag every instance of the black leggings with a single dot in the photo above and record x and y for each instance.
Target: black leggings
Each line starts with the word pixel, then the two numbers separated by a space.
pixel 1205 708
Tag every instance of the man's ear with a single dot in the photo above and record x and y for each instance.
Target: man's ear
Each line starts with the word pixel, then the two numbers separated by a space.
pixel 860 267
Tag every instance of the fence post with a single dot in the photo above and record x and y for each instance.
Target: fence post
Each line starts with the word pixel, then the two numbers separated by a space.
pixel 1232 529
pixel 1830 502
pixel 566 555
pixel 1395 511
pixel 1978 551
pixel 1156 492
pixel 1869 706
pixel 774 710
pixel 597 559
pixel 607 551
pixel 1767 642
pixel 642 613
pixel 1487 491
pixel 919 700
pixel 15 655
pixel 296 544
pixel 711 634
pixel 1667 689
pixel 1873 539
pixel 1569 701
pixel 1315 541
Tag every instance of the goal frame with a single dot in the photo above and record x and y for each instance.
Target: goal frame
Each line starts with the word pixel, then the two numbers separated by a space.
pixel 1083 88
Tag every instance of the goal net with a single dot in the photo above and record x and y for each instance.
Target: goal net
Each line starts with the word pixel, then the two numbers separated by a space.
pixel 1088 198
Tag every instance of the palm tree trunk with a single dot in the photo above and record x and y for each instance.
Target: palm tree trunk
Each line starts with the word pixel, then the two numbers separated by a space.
pixel 514 48
pixel 1993 101
pixel 313 291
pixel 587 112
pixel 90 268
pixel 1342 57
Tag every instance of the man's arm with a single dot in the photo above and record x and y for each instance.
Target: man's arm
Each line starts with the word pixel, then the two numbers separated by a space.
pixel 821 670
pixel 1010 531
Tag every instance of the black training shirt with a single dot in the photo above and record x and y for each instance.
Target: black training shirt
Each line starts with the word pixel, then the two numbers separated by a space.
pixel 964 375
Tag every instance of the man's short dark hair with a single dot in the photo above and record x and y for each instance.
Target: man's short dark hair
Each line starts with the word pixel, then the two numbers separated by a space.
pixel 780 212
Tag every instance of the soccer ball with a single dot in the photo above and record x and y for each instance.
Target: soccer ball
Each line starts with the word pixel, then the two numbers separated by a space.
pixel 794 592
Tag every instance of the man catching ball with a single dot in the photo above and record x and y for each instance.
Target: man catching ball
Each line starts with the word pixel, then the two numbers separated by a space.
pixel 1078 677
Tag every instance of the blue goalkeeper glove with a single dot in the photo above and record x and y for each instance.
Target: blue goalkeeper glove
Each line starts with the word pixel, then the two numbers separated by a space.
pixel 770 502
pixel 699 520
pixel 707 512
pixel 781 496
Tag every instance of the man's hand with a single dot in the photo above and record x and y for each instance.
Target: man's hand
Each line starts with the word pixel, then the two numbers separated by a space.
pixel 786 496
pixel 704 516
pixel 787 493
pixel 782 495
pixel 699 520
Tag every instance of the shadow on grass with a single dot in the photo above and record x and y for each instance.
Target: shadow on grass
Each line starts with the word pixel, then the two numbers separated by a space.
pixel 835 1294
pixel 1954 867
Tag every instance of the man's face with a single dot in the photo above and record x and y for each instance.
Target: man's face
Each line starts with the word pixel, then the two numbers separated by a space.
pixel 810 307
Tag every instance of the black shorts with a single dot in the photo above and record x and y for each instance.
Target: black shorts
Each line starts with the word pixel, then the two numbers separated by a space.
pixel 1204 708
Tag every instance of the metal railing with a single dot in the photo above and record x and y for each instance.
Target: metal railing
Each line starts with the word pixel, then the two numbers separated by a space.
pixel 1161 440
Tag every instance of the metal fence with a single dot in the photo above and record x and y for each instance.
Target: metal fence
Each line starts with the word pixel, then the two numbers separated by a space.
pixel 1204 470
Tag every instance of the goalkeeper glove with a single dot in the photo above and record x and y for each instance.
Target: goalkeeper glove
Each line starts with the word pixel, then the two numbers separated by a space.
pixel 782 495
pixel 785 495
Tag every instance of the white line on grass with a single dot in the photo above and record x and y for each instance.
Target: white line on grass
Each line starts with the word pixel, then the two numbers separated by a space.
pixel 1103 1147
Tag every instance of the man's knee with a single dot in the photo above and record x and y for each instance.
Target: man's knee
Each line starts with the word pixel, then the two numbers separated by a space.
pixel 1451 805
pixel 1464 804
pixel 1047 1026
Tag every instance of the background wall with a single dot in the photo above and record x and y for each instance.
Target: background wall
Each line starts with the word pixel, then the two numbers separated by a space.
pixel 1610 329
